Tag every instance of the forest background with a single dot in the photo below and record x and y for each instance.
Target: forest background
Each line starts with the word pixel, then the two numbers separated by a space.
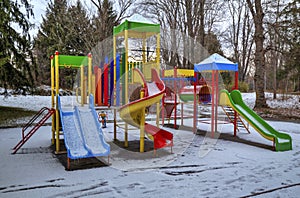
pixel 262 36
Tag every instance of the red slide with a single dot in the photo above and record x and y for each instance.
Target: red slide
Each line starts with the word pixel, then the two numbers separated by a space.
pixel 162 138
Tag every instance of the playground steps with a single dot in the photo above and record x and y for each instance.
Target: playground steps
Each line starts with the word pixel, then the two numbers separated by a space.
pixel 43 114
pixel 230 114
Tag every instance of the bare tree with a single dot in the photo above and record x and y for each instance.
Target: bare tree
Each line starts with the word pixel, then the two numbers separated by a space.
pixel 108 14
pixel 239 35
pixel 167 14
pixel 183 25
pixel 259 60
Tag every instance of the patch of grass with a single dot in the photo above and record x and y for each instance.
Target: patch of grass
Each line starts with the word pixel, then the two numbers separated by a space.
pixel 10 115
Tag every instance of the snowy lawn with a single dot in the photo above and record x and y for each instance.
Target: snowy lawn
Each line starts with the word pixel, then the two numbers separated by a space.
pixel 199 167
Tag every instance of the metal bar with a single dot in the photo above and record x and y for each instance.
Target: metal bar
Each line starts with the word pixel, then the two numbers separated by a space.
pixel 32 131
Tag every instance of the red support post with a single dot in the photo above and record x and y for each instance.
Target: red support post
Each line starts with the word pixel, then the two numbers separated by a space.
pixel 213 103
pixel 195 103
pixel 98 85
pixel 217 99
pixel 105 94
pixel 175 99
pixel 163 102
pixel 181 105
pixel 236 81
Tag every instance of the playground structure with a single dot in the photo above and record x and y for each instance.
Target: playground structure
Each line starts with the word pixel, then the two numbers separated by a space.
pixel 173 79
pixel 216 64
pixel 112 85
pixel 133 113
pixel 110 90
pixel 80 127
pixel 83 136
pixel 281 141
pixel 184 79
pixel 103 82
pixel 131 75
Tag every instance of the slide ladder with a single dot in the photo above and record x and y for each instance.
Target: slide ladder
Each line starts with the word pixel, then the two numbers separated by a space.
pixel 26 135
pixel 230 114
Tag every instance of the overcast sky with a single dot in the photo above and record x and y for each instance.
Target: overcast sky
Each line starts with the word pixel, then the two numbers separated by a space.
pixel 39 10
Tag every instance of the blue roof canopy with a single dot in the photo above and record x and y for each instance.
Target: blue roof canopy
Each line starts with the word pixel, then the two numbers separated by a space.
pixel 215 62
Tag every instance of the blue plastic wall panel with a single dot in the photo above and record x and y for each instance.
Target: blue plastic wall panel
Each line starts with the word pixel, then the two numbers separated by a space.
pixel 118 80
pixel 111 84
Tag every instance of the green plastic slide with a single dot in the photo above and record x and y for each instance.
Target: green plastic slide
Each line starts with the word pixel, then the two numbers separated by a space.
pixel 282 141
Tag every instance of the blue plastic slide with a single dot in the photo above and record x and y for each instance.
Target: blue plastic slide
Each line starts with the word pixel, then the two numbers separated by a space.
pixel 83 135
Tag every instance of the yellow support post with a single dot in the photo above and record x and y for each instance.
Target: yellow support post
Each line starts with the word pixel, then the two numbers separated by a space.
pixel 82 87
pixel 157 113
pixel 52 98
pixel 144 55
pixel 142 125
pixel 115 69
pixel 90 74
pixel 126 83
pixel 94 87
pixel 126 66
pixel 57 92
pixel 158 70
pixel 115 85
pixel 158 52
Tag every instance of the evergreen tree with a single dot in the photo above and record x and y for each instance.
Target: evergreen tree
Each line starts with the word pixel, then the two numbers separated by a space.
pixel 290 33
pixel 16 65
pixel 64 29
pixel 103 22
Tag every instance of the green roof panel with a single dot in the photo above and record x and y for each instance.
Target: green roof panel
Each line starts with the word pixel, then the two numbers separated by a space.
pixel 72 61
pixel 136 28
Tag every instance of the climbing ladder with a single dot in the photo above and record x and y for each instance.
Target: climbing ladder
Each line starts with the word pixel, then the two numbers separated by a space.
pixel 230 114
pixel 33 127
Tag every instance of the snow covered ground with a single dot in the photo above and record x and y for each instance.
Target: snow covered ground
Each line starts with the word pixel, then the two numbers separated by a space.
pixel 36 102
pixel 199 167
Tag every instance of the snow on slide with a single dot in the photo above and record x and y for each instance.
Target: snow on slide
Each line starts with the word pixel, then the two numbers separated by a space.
pixel 72 136
pixel 82 133
pixel 152 89
pixel 90 131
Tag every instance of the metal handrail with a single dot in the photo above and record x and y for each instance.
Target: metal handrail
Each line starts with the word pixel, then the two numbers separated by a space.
pixel 35 128
pixel 35 117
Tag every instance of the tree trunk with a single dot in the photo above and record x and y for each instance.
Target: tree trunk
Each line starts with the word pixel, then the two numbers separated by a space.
pixel 274 82
pixel 259 59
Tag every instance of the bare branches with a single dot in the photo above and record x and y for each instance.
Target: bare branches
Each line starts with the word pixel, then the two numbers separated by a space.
pixel 124 6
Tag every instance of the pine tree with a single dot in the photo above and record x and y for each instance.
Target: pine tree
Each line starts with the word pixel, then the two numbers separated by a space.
pixel 64 29
pixel 290 33
pixel 103 22
pixel 16 59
